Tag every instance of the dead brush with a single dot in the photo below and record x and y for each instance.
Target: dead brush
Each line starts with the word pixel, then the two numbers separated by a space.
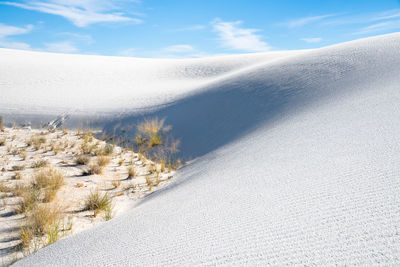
pixel 97 202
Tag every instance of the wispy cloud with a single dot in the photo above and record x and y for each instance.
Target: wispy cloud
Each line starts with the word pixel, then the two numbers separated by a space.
pixel 232 36
pixel 380 27
pixel 8 30
pixel 306 20
pixel 312 40
pixel 61 47
pixel 80 12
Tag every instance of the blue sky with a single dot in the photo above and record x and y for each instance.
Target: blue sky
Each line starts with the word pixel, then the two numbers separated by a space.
pixel 189 28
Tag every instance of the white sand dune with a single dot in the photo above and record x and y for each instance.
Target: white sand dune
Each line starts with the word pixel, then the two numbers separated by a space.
pixel 299 154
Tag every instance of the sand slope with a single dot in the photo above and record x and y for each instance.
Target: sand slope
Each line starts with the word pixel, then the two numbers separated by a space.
pixel 299 161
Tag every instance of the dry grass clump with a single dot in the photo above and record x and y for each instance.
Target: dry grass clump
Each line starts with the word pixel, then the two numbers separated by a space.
pixel 82 160
pixel 43 221
pixel 97 202
pixel 94 169
pixel 103 160
pixel 50 181
pixel 29 198
pixel 40 163
pixel 4 188
pixel 131 172
pixel 151 133
pixel 17 176
pixel 18 167
pixel 1 124
pixel 36 142
pixel 3 141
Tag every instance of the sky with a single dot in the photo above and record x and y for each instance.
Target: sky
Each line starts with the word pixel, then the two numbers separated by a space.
pixel 190 28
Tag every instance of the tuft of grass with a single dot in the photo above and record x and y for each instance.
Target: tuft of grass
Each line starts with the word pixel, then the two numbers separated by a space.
pixel 50 180
pixel 40 163
pixel 116 183
pixel 131 172
pixel 17 176
pixel 108 149
pixel 4 188
pixel 97 202
pixel 94 169
pixel 103 160
pixel 36 142
pixel 3 142
pixel 43 218
pixel 26 236
pixel 121 161
pixel 29 198
pixel 18 167
pixel 82 160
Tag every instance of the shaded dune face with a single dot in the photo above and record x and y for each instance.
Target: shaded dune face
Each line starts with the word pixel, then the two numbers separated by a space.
pixel 237 103
pixel 298 165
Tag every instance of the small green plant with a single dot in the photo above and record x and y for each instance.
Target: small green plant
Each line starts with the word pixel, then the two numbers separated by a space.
pixel 97 202
pixel 108 149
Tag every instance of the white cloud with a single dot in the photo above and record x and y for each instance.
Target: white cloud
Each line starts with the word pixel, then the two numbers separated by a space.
pixel 61 47
pixel 312 40
pixel 303 21
pixel 232 36
pixel 183 48
pixel 80 12
pixel 7 30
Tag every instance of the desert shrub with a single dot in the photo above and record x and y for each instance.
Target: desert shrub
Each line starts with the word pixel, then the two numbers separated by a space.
pixel 97 202
pixel 82 160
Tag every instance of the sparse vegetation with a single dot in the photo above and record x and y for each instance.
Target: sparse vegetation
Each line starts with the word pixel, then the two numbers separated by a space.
pixel 50 181
pixel 103 160
pixel 131 172
pixel 1 124
pixel 97 202
pixel 82 160
pixel 40 164
pixel 3 141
